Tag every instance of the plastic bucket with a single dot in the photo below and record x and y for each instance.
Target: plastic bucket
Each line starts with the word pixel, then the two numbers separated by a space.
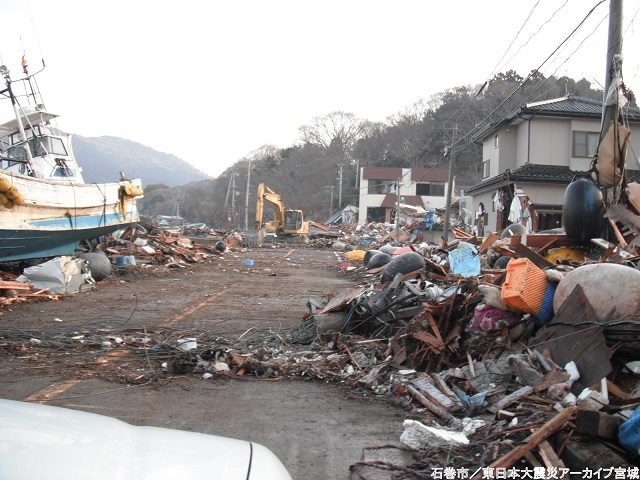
pixel 123 260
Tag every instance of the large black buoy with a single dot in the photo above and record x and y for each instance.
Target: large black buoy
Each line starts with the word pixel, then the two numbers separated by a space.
pixel 583 211
pixel 378 260
pixel 367 256
pixel 99 264
pixel 405 263
pixel 502 262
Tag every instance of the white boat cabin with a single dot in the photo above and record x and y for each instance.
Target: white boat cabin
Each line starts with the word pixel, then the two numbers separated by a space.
pixel 50 149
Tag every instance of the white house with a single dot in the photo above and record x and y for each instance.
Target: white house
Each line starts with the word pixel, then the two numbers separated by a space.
pixel 533 154
pixel 381 189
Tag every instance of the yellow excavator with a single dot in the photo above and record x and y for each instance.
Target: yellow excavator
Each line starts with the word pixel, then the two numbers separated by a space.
pixel 286 222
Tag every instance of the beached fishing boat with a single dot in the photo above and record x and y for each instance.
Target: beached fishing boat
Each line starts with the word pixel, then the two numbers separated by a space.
pixel 46 208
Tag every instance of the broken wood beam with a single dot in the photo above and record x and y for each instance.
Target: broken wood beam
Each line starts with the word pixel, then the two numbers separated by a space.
pixel 533 440
pixel 549 455
pixel 433 394
pixel 490 240
pixel 538 260
pixel 509 399
pixel 4 285
pixel 430 405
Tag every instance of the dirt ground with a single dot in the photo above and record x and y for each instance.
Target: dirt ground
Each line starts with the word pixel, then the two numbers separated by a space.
pixel 52 352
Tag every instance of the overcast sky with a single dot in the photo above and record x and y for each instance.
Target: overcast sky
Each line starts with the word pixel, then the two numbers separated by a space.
pixel 210 81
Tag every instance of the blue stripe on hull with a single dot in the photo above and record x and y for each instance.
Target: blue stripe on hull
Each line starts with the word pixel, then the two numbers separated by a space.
pixel 55 237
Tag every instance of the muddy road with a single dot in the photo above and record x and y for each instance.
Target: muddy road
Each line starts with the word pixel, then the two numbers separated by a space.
pixel 91 351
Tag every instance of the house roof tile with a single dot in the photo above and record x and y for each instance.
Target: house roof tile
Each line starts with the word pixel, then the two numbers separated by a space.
pixel 534 173
pixel 570 106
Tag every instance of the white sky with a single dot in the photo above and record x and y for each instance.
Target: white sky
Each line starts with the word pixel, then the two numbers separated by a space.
pixel 210 81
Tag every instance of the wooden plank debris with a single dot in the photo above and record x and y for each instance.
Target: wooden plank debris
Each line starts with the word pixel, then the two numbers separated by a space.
pixel 537 260
pixel 427 403
pixel 433 394
pixel 512 398
pixel 549 455
pixel 533 440
pixel 342 299
pixel 4 285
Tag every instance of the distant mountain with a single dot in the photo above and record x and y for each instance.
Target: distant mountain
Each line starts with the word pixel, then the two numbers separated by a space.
pixel 103 158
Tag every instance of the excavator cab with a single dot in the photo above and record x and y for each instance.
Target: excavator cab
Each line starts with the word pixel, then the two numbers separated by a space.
pixel 293 220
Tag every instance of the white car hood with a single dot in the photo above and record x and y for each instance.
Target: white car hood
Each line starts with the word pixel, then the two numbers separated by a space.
pixel 42 441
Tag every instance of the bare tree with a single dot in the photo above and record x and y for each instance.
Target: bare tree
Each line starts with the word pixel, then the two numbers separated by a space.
pixel 337 132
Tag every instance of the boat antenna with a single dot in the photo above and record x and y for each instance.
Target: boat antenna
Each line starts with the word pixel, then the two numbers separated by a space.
pixel 25 71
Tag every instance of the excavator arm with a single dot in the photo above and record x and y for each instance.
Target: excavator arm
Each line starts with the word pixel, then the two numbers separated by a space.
pixel 266 194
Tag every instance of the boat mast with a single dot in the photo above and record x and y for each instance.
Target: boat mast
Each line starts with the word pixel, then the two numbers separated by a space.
pixel 14 103
pixel 614 65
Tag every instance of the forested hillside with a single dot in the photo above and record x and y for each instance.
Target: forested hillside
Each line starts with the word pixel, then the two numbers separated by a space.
pixel 102 158
pixel 319 172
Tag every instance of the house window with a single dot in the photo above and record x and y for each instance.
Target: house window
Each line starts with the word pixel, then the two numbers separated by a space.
pixel 432 189
pixel 381 187
pixel 485 169
pixel 585 144
pixel 496 141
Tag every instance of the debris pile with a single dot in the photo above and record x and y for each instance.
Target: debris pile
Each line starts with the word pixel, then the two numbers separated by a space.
pixel 521 326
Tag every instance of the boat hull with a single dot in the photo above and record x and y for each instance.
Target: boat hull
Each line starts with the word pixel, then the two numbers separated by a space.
pixel 56 217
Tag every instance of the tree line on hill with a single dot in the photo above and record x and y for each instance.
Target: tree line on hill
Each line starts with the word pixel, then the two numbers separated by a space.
pixel 319 174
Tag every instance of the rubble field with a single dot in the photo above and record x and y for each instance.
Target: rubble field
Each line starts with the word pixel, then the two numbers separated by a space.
pixel 498 357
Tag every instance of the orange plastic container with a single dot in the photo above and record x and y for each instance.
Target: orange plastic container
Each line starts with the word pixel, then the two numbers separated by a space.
pixel 524 286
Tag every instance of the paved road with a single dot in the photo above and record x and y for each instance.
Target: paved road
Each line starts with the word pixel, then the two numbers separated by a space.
pixel 316 429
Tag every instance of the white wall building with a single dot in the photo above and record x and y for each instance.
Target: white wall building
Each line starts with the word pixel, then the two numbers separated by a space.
pixel 380 187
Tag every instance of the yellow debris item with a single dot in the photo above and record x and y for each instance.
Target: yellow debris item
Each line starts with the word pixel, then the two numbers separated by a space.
pixel 127 190
pixel 565 253
pixel 9 195
pixel 14 195
pixel 355 255
pixel 132 191
pixel 5 184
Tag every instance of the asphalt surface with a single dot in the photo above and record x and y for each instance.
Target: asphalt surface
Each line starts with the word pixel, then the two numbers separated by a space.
pixel 318 429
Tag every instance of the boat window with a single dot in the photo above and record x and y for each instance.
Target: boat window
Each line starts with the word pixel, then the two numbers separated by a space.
pixel 50 145
pixel 17 152
pixel 63 171
pixel 57 146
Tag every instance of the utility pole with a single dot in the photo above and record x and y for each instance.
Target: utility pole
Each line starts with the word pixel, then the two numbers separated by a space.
pixel 452 159
pixel 357 182
pixel 246 199
pixel 331 205
pixel 398 208
pixel 233 198
pixel 340 190
pixel 614 62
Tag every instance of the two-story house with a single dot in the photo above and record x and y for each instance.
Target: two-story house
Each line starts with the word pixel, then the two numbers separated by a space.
pixel 381 189
pixel 533 154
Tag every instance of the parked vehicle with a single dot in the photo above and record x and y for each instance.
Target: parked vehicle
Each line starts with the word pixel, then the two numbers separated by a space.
pixel 285 222
pixel 55 443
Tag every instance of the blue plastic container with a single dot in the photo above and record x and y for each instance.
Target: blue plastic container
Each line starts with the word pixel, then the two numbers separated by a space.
pixel 546 309
pixel 629 433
